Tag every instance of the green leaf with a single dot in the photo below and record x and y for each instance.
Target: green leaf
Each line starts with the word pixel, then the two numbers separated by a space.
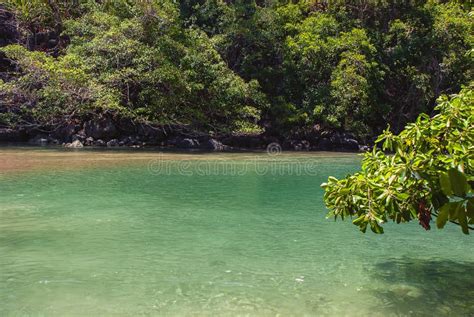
pixel 454 209
pixel 439 199
pixel 344 191
pixel 375 227
pixel 445 184
pixel 458 182
pixel 359 220
pixel 470 208
pixel 442 216
pixel 463 220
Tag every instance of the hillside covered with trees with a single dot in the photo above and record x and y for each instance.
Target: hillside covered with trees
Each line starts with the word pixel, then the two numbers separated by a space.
pixel 310 74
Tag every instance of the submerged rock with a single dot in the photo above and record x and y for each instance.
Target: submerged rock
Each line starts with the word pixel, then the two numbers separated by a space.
pixel 405 290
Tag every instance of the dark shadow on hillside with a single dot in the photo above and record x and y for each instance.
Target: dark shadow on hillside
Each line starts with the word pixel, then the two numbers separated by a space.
pixel 420 287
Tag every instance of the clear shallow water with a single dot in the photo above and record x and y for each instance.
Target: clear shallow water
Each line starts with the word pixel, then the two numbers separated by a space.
pixel 225 234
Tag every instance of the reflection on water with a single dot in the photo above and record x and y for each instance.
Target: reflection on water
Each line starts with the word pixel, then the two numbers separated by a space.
pixel 101 234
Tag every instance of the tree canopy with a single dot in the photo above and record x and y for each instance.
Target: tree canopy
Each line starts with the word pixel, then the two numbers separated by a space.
pixel 426 170
pixel 277 67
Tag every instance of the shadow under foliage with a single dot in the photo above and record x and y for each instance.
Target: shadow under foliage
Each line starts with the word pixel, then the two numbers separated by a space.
pixel 422 287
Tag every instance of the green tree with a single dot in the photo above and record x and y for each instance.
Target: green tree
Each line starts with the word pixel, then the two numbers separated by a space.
pixel 50 91
pixel 153 69
pixel 429 173
pixel 336 74
pixel 285 67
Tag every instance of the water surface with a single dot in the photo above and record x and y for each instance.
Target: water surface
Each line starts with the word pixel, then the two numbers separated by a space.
pixel 120 233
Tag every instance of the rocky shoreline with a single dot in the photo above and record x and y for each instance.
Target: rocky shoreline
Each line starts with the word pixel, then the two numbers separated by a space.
pixel 106 132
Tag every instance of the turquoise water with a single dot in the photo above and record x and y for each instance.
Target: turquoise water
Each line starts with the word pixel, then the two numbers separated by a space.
pixel 216 234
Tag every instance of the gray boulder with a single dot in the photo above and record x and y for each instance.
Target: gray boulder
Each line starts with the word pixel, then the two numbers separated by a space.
pixel 113 142
pixel 89 141
pixel 75 144
pixel 185 143
pixel 66 131
pixel 350 145
pixel 151 134
pixel 364 148
pixel 80 137
pixel 130 141
pixel 212 145
pixel 297 145
pixel 99 142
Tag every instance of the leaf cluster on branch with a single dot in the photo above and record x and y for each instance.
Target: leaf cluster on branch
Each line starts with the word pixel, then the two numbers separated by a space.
pixel 425 171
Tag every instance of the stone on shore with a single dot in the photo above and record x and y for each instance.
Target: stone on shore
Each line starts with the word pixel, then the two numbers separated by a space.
pixel 75 144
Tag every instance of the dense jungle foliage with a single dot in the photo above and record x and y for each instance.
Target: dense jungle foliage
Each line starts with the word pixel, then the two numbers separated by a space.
pixel 234 66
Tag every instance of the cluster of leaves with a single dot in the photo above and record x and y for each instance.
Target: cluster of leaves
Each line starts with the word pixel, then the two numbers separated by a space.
pixel 430 173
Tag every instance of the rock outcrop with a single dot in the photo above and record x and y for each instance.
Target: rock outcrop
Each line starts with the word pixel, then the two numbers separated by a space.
pixel 106 131
pixel 212 145
pixel 103 128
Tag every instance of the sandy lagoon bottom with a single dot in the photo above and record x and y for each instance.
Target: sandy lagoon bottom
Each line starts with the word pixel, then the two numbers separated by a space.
pixel 128 233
